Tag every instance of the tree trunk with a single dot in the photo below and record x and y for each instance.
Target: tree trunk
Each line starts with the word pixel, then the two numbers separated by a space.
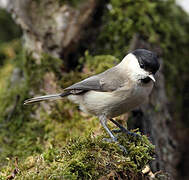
pixel 49 26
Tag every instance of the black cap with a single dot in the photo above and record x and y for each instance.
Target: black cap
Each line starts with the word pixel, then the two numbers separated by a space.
pixel 148 60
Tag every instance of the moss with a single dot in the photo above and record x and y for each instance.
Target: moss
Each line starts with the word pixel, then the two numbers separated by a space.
pixel 122 20
pixel 87 157
pixel 10 30
pixel 99 63
pixel 21 134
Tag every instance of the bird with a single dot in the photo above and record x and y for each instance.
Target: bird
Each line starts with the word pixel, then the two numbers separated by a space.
pixel 115 91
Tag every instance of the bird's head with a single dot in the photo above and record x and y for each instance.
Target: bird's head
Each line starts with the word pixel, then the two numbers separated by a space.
pixel 141 64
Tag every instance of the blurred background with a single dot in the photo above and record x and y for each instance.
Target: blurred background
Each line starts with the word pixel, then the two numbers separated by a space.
pixel 47 45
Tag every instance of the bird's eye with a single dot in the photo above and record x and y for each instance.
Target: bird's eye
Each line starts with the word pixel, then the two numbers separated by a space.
pixel 142 65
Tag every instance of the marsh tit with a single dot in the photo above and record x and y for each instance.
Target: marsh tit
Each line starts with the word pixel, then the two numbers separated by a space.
pixel 116 91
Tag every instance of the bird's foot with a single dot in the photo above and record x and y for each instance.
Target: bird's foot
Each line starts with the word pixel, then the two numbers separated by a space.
pixel 103 120
pixel 123 129
pixel 123 149
pixel 110 140
pixel 133 134
pixel 116 131
pixel 127 132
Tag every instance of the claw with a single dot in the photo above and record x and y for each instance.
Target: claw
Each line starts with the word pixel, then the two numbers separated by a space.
pixel 123 129
pixel 115 140
pixel 133 134
pixel 110 140
pixel 116 130
pixel 123 149
pixel 103 120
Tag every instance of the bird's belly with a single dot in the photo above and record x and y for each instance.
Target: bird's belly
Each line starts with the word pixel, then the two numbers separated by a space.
pixel 113 104
pixel 121 108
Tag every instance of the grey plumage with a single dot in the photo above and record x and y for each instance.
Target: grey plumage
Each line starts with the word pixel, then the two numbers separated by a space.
pixel 42 98
pixel 103 82
pixel 46 97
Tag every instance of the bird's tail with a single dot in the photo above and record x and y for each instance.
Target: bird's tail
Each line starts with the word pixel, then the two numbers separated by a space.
pixel 43 98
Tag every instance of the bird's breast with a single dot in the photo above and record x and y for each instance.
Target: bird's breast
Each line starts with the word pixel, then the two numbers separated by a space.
pixel 114 103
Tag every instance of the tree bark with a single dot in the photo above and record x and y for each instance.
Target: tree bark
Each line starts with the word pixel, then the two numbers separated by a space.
pixel 49 26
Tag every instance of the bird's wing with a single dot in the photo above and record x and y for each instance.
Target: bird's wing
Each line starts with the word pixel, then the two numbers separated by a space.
pixel 107 81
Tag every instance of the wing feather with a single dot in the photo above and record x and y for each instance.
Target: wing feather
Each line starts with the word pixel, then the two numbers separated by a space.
pixel 107 81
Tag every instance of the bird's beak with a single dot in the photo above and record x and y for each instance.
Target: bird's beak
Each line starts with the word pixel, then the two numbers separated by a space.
pixel 152 77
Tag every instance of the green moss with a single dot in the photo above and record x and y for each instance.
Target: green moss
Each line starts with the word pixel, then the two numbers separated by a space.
pixel 87 157
pixel 123 19
pixel 99 63
pixel 21 135
pixel 10 30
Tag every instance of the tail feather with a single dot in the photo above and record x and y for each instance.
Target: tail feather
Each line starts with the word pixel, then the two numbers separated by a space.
pixel 42 98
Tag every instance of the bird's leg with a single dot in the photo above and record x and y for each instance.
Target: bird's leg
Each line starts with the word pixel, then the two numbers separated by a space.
pixel 123 129
pixel 103 121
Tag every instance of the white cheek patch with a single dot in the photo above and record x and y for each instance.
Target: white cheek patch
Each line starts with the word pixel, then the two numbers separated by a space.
pixel 134 69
